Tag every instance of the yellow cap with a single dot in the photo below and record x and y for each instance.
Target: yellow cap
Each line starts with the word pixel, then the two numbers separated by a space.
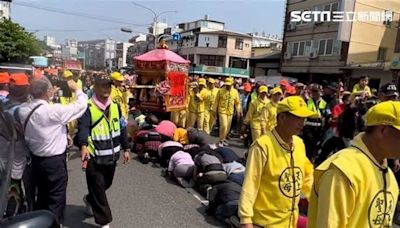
pixel 68 74
pixel 263 89
pixel 117 76
pixel 296 106
pixel 276 90
pixel 211 80
pixel 228 81
pixel 385 113
pixel 202 81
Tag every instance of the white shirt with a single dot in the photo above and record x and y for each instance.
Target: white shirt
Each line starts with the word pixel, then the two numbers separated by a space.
pixel 46 132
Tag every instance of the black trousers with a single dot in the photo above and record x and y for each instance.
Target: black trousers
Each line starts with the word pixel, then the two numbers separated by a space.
pixel 99 178
pixel 51 178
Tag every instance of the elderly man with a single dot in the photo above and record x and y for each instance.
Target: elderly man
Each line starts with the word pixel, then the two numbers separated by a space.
pixel 102 135
pixel 355 187
pixel 277 170
pixel 46 136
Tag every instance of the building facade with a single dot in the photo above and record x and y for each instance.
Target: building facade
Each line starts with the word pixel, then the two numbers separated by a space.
pixel 212 50
pixel 263 44
pixel 122 54
pixel 5 9
pixel 99 54
pixel 69 51
pixel 316 50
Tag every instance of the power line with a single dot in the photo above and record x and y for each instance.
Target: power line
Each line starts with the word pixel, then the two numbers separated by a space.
pixel 78 14
pixel 73 30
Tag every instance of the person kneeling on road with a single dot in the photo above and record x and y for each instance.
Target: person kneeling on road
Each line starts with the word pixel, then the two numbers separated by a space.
pixel 181 166
pixel 101 135
pixel 224 201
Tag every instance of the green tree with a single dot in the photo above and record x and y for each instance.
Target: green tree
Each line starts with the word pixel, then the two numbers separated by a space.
pixel 16 44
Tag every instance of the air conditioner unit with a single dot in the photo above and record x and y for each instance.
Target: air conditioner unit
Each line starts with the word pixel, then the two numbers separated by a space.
pixel 313 55
pixel 291 27
pixel 287 56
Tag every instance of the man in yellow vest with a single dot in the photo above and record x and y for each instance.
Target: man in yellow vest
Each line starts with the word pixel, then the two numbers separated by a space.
pixel 225 103
pixel 197 98
pixel 270 114
pixel 119 94
pixel 313 131
pixel 255 116
pixel 355 187
pixel 277 171
pixel 102 135
pixel 209 119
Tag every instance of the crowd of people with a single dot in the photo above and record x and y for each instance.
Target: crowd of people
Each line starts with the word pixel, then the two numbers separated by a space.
pixel 294 132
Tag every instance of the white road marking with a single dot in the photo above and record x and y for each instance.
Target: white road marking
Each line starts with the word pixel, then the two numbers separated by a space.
pixel 197 196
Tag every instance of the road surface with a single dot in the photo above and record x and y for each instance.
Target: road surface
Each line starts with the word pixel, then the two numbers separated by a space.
pixel 139 197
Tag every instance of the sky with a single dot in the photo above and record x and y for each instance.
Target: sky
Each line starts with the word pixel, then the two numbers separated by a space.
pixel 244 16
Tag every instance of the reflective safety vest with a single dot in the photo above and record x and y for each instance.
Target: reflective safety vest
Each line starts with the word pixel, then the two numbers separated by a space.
pixel 311 106
pixel 104 138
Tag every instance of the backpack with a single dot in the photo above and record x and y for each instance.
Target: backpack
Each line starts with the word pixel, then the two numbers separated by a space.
pixel 17 202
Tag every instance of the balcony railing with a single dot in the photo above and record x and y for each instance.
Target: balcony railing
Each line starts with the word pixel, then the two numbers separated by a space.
pixel 220 71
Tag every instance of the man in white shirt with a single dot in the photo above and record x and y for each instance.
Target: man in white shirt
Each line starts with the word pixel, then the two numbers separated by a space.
pixel 46 136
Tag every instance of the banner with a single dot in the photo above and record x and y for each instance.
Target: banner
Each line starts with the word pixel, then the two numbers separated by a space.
pixel 176 98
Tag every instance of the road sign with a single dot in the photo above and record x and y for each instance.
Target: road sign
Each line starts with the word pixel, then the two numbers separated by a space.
pixel 176 36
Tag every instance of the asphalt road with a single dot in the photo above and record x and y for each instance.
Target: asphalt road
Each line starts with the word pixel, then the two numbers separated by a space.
pixel 139 197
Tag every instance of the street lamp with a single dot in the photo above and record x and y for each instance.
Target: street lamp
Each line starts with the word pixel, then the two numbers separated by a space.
pixel 156 38
pixel 155 19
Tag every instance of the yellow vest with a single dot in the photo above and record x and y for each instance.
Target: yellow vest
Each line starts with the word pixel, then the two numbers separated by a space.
pixel 275 176
pixel 121 98
pixel 271 113
pixel 256 114
pixel 226 101
pixel 365 179
pixel 104 135
pixel 211 99
pixel 197 101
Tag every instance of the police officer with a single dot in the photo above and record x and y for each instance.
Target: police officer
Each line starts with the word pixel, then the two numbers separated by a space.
pixel 313 129
pixel 101 136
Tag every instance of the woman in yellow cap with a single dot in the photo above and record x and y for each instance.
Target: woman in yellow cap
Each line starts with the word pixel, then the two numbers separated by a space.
pixel 255 115
pixel 270 111
pixel 209 119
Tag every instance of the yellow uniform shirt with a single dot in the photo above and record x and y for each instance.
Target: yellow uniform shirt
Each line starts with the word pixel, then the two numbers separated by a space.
pixel 211 98
pixel 121 98
pixel 348 190
pixel 226 101
pixel 357 90
pixel 256 114
pixel 270 116
pixel 275 176
pixel 181 136
pixel 197 101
